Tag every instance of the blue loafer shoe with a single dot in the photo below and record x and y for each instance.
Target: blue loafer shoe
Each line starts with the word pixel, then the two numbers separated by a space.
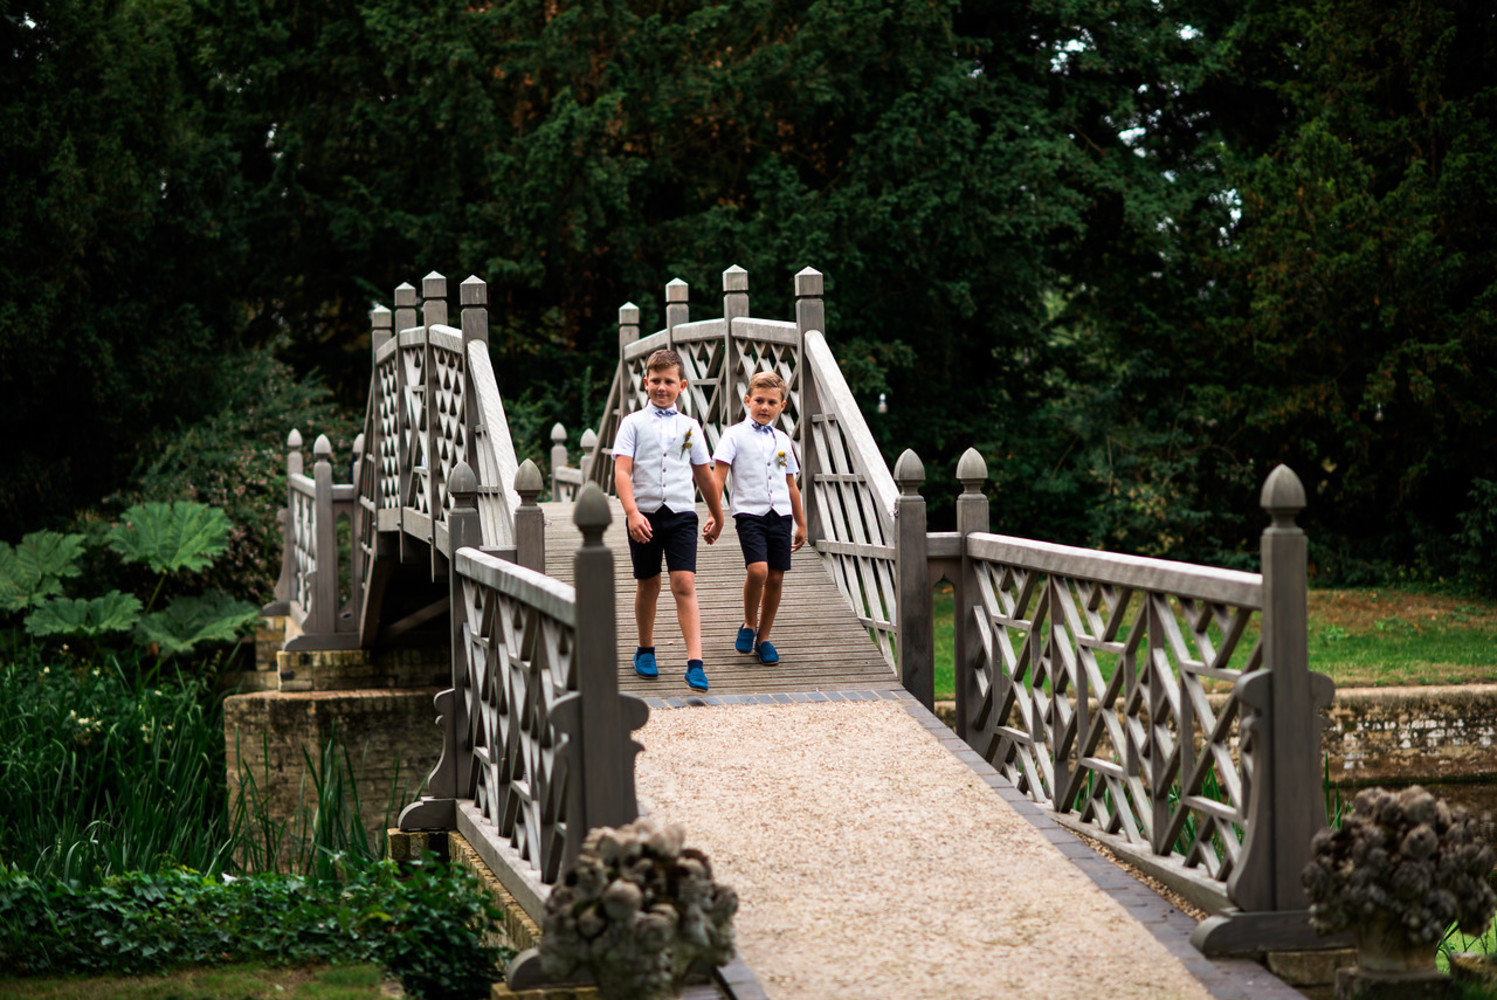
pixel 644 665
pixel 767 653
pixel 696 678
pixel 745 641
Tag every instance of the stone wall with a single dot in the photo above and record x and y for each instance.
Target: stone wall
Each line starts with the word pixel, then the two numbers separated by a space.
pixel 1432 734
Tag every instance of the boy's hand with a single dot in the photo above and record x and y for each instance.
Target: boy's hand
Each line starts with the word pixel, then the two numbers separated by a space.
pixel 799 539
pixel 711 529
pixel 639 527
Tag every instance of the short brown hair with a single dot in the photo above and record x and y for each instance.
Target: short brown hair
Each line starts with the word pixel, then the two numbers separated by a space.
pixel 769 380
pixel 665 358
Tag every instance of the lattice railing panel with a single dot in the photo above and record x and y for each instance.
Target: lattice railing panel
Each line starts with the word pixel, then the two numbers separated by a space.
pixel 519 669
pixel 755 353
pixel 387 382
pixel 418 494
pixel 303 513
pixel 448 386
pixel 1115 703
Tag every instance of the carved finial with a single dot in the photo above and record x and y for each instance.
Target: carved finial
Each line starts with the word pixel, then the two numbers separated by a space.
pixel 628 314
pixel 528 482
pixel 358 446
pixel 463 485
pixel 474 291
pixel 293 440
pixel 589 439
pixel 735 279
pixel 909 473
pixel 405 294
pixel 808 282
pixel 1283 496
pixel 380 318
pixel 434 286
pixel 971 471
pixel 322 450
pixel 558 433
pixel 676 290
pixel 591 514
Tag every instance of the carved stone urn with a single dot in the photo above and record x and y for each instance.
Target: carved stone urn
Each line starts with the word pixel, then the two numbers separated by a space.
pixel 639 912
pixel 1402 867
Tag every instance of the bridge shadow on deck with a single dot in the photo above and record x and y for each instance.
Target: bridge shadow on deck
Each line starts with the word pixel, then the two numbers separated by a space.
pixel 822 647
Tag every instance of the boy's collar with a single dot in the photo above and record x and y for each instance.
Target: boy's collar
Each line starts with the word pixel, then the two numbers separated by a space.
pixel 766 428
pixel 664 411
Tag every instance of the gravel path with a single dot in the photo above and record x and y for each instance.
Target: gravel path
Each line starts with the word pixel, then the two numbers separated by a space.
pixel 870 862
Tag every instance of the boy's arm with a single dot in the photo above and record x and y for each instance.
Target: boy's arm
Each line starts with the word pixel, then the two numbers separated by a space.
pixel 623 483
pixel 798 512
pixel 712 494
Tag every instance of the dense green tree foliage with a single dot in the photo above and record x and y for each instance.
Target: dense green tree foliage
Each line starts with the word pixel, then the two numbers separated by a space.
pixel 1136 251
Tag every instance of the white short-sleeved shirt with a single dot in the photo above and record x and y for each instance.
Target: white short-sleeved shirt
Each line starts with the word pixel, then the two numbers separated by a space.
pixel 664 444
pixel 761 457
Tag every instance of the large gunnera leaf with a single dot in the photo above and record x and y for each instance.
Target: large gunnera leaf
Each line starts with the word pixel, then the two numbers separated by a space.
pixel 187 621
pixel 34 570
pixel 89 617
pixel 171 536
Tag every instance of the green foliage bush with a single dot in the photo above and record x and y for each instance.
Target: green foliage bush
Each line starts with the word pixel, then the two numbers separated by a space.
pixel 426 923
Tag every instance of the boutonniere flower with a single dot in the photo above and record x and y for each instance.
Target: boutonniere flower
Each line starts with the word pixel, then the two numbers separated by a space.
pixel 780 459
pixel 686 441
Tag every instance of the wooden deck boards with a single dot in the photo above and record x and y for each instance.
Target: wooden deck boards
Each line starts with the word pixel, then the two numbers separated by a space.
pixel 822 647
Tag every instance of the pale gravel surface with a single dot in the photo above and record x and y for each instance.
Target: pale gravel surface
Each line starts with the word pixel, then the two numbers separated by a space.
pixel 870 862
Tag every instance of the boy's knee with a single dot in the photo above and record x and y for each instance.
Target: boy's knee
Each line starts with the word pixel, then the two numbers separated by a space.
pixel 683 584
pixel 757 572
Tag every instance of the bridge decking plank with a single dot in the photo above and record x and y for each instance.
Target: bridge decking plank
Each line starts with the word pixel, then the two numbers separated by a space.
pixel 821 645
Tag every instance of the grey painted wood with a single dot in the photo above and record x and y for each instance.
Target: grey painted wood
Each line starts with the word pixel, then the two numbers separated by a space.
pixel 530 523
pixel 972 514
pixel 916 640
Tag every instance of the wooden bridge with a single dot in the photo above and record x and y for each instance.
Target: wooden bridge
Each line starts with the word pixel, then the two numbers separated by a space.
pixel 1163 709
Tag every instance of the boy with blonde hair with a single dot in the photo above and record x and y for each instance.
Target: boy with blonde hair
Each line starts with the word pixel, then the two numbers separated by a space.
pixel 765 500
pixel 657 455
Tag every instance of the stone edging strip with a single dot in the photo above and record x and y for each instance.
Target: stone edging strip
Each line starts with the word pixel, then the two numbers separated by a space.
pixel 1223 978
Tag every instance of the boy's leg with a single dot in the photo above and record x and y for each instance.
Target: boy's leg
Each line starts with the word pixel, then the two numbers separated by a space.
pixel 684 590
pixel 774 586
pixel 646 596
pixel 753 592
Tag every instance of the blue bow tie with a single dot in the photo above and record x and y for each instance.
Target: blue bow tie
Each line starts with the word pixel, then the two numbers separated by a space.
pixel 665 413
pixel 763 428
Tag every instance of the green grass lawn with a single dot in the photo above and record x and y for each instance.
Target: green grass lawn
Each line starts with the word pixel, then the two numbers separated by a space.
pixel 241 982
pixel 1366 637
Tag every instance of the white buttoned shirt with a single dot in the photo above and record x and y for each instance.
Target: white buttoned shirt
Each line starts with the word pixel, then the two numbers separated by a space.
pixel 760 456
pixel 664 444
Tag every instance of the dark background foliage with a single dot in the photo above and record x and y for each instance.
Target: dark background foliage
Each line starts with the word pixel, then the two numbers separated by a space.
pixel 1136 252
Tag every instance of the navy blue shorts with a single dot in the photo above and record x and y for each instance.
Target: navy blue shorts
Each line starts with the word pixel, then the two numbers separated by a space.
pixel 671 535
pixel 765 538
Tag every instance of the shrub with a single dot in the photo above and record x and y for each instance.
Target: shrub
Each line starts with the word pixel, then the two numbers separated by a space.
pixel 428 924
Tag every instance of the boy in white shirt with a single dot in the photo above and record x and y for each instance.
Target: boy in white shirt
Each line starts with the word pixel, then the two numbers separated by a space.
pixel 764 499
pixel 657 455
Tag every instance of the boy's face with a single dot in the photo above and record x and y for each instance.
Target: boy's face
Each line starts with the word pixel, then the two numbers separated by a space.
pixel 764 404
pixel 664 385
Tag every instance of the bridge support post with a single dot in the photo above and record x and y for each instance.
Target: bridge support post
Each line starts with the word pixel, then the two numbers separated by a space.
pixel 530 522
pixel 405 435
pixel 1281 731
pixel 735 306
pixel 558 457
pixel 915 642
pixel 282 603
pixel 628 334
pixel 971 517
pixel 810 314
pixel 452 778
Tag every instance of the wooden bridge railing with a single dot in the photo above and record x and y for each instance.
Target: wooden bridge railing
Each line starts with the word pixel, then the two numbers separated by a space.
pixel 433 403
pixel 536 744
pixel 1163 708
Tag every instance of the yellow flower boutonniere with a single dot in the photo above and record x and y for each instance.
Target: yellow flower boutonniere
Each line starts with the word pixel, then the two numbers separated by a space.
pixel 686 441
pixel 780 459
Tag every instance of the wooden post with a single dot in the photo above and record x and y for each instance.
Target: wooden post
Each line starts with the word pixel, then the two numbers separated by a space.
pixel 357 519
pixel 281 605
pixel 606 774
pixel 628 334
pixel 380 320
pixel 735 306
pixel 405 319
pixel 915 639
pixel 971 518
pixel 474 295
pixel 810 314
pixel 589 450
pixel 530 522
pixel 1281 733
pixel 433 313
pixel 677 313
pixel 558 457
pixel 324 614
